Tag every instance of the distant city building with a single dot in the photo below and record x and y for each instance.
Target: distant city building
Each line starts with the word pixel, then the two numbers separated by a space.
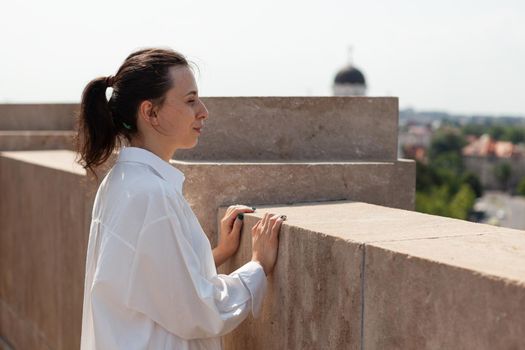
pixel 483 155
pixel 485 146
pixel 349 81
pixel 414 142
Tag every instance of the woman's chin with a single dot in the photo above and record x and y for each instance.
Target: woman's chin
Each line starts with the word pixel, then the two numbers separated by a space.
pixel 191 144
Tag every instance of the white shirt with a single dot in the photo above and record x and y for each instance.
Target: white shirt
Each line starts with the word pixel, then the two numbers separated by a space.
pixel 151 281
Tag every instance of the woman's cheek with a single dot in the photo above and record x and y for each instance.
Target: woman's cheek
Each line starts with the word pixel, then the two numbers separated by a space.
pixel 167 127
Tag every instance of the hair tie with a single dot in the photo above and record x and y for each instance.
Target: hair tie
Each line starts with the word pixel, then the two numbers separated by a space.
pixel 109 81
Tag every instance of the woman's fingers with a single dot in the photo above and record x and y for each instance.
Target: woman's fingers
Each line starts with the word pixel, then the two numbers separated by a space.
pixel 234 210
pixel 276 228
pixel 271 224
pixel 266 221
pixel 256 226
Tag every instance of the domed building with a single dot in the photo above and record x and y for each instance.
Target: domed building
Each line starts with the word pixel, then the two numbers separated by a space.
pixel 349 81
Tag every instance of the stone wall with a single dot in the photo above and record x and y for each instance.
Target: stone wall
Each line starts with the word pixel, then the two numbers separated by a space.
pixel 255 151
pixel 44 220
pixel 358 276
pixel 349 275
pixel 263 150
pixel 243 128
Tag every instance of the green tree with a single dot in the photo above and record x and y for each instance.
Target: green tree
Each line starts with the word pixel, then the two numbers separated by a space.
pixel 521 187
pixel 496 131
pixel 503 172
pixel 445 141
pixel 451 162
pixel 514 135
pixel 473 129
pixel 440 201
pixel 462 202
pixel 435 201
pixel 442 187
pixel 426 177
pixel 473 181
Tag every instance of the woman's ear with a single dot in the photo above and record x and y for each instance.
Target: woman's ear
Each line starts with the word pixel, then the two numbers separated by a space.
pixel 147 112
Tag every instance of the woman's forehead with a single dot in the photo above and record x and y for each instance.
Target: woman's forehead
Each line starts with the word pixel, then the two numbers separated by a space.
pixel 184 81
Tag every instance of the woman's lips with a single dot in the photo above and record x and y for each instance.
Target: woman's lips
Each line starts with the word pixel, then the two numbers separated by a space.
pixel 197 129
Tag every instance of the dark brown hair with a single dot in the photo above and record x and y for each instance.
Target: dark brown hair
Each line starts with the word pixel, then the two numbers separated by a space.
pixel 103 125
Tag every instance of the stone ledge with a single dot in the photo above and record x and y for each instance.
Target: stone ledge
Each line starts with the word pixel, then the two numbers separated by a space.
pixel 408 280
pixel 45 213
pixel 298 128
pixel 262 128
pixel 36 140
pixel 210 185
pixel 55 159
pixel 38 116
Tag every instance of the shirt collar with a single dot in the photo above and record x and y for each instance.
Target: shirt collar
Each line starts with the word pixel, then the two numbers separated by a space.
pixel 167 171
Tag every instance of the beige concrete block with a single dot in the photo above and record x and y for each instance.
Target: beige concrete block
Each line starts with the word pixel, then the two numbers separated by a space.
pixel 463 292
pixel 211 185
pixel 63 160
pixel 35 116
pixel 313 300
pixel 44 217
pixel 405 181
pixel 297 128
pixel 258 128
pixel 427 282
pixel 36 140
pixel 368 223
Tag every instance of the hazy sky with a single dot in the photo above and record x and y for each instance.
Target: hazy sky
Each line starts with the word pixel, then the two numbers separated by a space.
pixel 458 56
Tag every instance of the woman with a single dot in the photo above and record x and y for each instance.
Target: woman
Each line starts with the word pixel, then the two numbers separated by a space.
pixel 151 279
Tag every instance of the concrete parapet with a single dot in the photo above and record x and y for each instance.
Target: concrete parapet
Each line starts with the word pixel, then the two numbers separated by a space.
pixel 43 199
pixel 211 185
pixel 297 128
pixel 349 275
pixel 255 151
pixel 313 300
pixel 360 276
pixel 36 140
pixel 45 116
pixel 462 292
pixel 44 222
pixel 261 128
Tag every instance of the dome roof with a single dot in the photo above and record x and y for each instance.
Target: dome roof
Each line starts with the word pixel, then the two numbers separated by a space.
pixel 350 75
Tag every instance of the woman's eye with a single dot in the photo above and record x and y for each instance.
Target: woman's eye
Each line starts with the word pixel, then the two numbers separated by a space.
pixel 191 101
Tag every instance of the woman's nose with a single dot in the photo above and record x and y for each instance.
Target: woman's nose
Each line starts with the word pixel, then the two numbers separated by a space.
pixel 204 111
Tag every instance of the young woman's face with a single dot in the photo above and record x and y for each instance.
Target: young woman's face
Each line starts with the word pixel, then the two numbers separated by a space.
pixel 182 114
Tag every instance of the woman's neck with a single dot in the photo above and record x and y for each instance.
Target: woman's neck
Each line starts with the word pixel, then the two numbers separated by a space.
pixel 160 150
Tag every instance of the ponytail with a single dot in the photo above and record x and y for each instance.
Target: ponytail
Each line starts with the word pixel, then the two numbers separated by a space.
pixel 97 134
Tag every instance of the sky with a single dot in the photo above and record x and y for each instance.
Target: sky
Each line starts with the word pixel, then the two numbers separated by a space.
pixel 457 56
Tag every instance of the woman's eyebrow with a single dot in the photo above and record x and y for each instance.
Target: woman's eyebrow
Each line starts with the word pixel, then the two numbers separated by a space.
pixel 191 92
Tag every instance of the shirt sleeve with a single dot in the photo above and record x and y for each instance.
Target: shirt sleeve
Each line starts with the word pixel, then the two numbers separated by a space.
pixel 167 283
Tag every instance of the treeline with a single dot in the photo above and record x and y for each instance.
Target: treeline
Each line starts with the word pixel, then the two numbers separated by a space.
pixel 443 187
pixel 499 132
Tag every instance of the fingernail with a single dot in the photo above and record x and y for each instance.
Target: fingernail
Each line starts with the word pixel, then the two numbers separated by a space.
pixel 253 208
pixel 240 216
pixel 283 217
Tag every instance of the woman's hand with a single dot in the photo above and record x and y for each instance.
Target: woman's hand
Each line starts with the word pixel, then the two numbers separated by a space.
pixel 229 237
pixel 265 241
